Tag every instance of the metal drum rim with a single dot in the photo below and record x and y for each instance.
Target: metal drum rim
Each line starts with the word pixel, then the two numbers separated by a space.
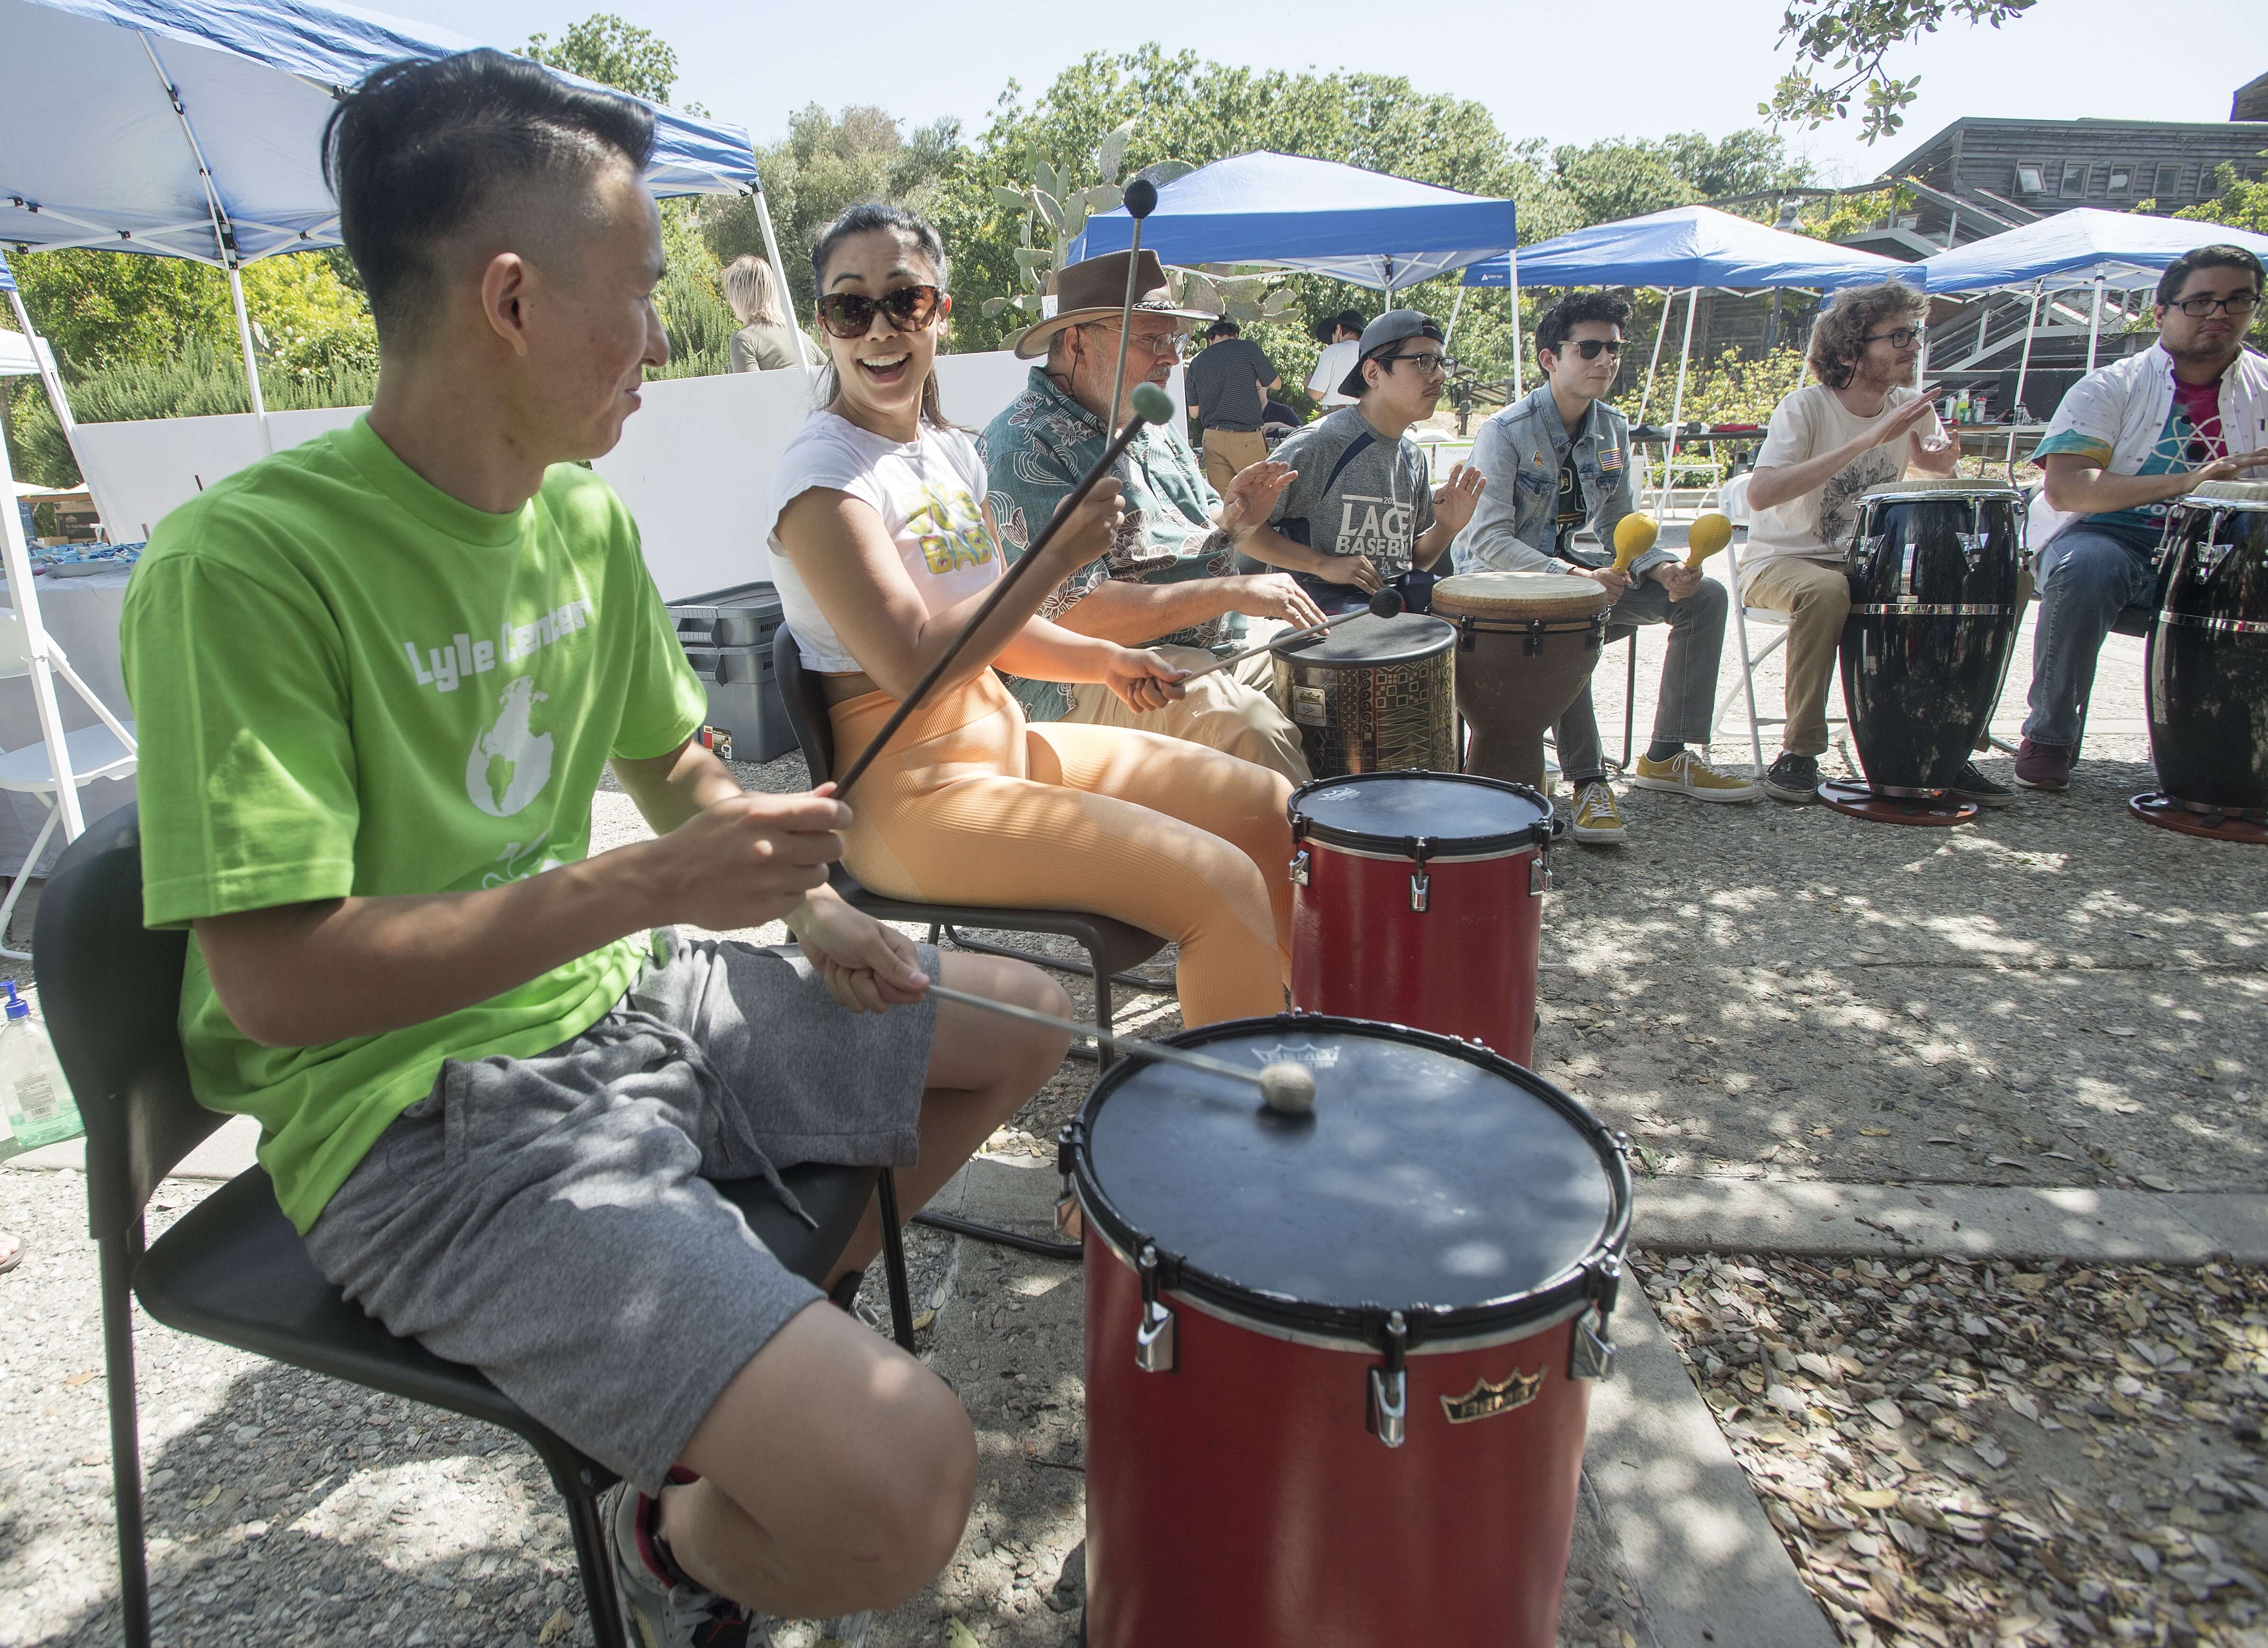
pixel 1586 1279
pixel 1292 650
pixel 1906 492
pixel 1438 849
pixel 1928 609
pixel 2225 626
pixel 1509 624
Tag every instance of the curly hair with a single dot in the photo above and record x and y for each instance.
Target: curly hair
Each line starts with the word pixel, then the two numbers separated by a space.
pixel 1574 309
pixel 1839 333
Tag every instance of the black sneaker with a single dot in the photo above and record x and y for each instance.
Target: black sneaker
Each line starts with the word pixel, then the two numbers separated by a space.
pixel 1971 785
pixel 1794 779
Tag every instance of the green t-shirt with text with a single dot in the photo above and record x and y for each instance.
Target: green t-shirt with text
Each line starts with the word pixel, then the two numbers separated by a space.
pixel 347 682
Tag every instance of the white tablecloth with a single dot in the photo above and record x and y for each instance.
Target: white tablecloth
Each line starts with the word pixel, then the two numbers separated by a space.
pixel 82 615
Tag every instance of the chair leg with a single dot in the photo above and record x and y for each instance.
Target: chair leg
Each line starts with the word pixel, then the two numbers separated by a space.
pixel 1630 702
pixel 1080 969
pixel 580 1481
pixel 118 1257
pixel 16 887
pixel 893 1262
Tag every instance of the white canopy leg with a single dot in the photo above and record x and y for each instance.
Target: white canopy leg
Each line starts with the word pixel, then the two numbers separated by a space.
pixel 1512 266
pixel 251 360
pixel 1677 406
pixel 2095 323
pixel 25 598
pixel 779 273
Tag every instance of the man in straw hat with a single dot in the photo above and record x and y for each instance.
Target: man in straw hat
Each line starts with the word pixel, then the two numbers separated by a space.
pixel 1170 581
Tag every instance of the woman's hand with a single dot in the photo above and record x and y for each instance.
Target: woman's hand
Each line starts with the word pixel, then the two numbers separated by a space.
pixel 1143 680
pixel 1092 530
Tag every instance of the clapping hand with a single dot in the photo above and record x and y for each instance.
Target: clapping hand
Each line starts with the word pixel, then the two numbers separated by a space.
pixel 1454 502
pixel 1251 497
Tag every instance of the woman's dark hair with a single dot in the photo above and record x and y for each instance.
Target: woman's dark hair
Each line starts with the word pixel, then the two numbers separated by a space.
pixel 1572 311
pixel 424 146
pixel 1838 335
pixel 2204 257
pixel 927 244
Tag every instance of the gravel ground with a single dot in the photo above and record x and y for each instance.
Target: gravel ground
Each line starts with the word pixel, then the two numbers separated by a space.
pixel 1986 1455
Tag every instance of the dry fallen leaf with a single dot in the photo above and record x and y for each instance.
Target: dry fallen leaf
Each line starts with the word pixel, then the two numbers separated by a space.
pixel 557 1626
pixel 959 1636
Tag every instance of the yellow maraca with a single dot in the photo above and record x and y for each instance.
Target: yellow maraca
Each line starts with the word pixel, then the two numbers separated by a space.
pixel 1711 532
pixel 1634 535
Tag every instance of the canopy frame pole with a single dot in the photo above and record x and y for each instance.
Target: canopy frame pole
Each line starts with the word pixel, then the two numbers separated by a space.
pixel 1512 283
pixel 2024 366
pixel 1668 300
pixel 2095 323
pixel 1677 406
pixel 53 384
pixel 1455 309
pixel 224 238
pixel 39 649
pixel 779 271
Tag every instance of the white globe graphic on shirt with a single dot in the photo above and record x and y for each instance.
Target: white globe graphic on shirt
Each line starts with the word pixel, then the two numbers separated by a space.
pixel 510 762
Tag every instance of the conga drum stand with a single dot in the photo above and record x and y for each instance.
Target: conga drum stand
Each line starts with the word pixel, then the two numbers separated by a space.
pixel 2155 807
pixel 1854 798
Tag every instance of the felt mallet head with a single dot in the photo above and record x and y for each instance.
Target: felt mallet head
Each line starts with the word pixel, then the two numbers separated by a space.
pixel 1288 1089
pixel 1151 404
pixel 1386 603
pixel 1141 198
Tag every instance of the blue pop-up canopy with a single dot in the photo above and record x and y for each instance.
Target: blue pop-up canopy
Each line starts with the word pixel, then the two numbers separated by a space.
pixel 1289 211
pixel 1687 245
pixel 191 129
pixel 2076 248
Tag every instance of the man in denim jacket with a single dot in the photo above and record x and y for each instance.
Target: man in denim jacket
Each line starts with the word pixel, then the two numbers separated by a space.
pixel 1552 461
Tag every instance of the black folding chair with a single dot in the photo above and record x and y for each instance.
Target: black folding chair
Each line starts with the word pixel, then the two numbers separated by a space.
pixel 232 1268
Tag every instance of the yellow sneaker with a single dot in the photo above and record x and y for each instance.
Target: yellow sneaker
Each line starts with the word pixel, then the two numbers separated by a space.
pixel 1686 773
pixel 1598 821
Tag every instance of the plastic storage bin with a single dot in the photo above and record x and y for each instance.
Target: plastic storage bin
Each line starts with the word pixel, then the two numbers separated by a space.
pixel 727 637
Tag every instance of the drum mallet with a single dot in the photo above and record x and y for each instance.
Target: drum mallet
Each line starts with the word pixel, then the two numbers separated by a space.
pixel 1386 603
pixel 1141 201
pixel 1287 1088
pixel 1711 532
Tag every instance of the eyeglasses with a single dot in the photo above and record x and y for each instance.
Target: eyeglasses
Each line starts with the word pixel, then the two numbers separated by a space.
pixel 851 315
pixel 1588 348
pixel 1905 337
pixel 1428 363
pixel 2198 308
pixel 1166 345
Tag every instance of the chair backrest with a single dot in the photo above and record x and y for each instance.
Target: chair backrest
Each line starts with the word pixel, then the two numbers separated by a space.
pixel 110 991
pixel 805 695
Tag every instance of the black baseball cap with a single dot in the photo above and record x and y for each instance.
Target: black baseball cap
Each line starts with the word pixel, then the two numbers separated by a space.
pixel 1395 326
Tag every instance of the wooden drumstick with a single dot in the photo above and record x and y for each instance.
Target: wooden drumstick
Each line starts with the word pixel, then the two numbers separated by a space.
pixel 1287 1088
pixel 1385 603
pixel 1634 535
pixel 1711 532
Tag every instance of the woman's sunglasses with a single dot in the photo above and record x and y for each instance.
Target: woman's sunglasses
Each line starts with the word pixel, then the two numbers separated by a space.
pixel 907 308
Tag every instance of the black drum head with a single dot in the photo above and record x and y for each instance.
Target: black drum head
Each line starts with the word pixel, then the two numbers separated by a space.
pixel 1370 642
pixel 1453 813
pixel 1432 1178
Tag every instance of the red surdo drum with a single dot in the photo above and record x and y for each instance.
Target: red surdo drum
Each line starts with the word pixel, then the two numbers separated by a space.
pixel 1338 1363
pixel 1417 899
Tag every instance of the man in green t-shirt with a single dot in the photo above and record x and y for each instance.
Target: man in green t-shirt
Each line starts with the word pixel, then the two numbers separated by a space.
pixel 380 677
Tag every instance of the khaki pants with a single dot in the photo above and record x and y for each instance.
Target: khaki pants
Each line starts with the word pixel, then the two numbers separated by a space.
pixel 1228 451
pixel 1230 711
pixel 1816 598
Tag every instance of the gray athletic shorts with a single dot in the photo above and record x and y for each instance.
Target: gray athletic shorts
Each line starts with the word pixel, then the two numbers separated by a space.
pixel 549 1220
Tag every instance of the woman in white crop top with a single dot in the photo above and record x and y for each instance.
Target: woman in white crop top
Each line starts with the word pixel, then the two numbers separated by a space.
pixel 882 549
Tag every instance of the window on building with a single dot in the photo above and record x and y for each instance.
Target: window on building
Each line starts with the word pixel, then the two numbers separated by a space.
pixel 2031 179
pixel 2120 180
pixel 2074 180
pixel 2169 179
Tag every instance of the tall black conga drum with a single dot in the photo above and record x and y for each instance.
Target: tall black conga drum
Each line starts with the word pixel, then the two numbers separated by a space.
pixel 2206 670
pixel 1935 567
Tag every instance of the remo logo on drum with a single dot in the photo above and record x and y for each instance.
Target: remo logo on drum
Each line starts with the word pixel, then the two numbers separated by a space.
pixel 1485 1401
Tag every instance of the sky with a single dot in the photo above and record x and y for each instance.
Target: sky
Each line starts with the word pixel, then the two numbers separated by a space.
pixel 1659 66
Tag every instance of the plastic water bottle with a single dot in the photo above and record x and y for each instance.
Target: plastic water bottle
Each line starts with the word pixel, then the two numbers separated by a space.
pixel 32 1087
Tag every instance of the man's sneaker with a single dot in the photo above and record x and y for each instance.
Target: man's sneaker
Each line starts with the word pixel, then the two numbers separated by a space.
pixel 1793 779
pixel 655 1613
pixel 1598 822
pixel 2044 766
pixel 1971 785
pixel 1686 773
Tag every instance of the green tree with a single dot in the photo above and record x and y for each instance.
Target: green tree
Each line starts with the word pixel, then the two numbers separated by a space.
pixel 605 48
pixel 2237 203
pixel 1841 47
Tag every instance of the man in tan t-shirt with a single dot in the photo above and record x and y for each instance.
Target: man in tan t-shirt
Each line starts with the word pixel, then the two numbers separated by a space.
pixel 1860 425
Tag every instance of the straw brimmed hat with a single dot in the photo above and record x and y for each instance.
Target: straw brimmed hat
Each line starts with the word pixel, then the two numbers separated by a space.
pixel 1096 290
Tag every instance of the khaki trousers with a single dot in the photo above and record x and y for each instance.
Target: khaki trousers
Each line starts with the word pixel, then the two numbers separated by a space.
pixel 1228 451
pixel 1816 598
pixel 1230 711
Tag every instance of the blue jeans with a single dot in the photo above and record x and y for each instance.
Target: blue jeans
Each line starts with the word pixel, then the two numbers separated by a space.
pixel 2087 576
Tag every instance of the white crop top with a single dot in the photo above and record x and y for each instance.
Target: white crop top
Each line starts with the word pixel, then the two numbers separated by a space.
pixel 929 494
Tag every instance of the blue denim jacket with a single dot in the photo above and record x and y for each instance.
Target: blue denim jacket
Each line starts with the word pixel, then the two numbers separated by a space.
pixel 1519 453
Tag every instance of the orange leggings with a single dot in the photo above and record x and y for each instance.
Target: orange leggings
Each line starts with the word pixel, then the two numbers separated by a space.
pixel 974 805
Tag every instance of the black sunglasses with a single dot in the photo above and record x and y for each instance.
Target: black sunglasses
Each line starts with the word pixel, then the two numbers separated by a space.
pixel 851 315
pixel 1588 348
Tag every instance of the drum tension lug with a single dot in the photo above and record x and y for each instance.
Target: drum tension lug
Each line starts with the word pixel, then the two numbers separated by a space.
pixel 1389 1386
pixel 1300 863
pixel 1153 1339
pixel 1421 885
pixel 1593 1357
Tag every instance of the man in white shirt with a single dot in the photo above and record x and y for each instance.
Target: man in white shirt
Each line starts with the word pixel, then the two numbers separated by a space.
pixel 1342 339
pixel 1859 426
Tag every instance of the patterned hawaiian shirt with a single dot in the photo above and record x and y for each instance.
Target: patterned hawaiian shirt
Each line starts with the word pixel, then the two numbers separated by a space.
pixel 1036 451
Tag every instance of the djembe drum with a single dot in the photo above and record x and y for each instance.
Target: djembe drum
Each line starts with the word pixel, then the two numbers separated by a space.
pixel 1526 644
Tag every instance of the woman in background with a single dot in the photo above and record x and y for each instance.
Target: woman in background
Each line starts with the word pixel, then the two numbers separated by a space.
pixel 766 339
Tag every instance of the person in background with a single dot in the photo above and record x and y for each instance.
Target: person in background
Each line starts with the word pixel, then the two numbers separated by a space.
pixel 2129 440
pixel 1168 581
pixel 1359 512
pixel 766 339
pixel 1559 458
pixel 1229 383
pixel 1862 423
pixel 1341 337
